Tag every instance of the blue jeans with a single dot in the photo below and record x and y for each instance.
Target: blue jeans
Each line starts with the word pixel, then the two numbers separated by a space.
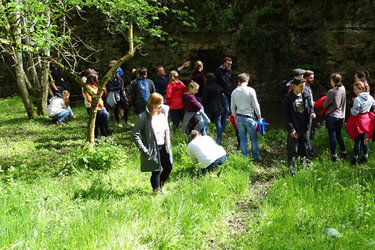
pixel 359 144
pixel 216 118
pixel 60 117
pixel 309 148
pixel 248 126
pixel 219 161
pixel 334 126
pixel 225 102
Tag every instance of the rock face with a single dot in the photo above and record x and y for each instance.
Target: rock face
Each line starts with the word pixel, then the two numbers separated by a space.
pixel 265 38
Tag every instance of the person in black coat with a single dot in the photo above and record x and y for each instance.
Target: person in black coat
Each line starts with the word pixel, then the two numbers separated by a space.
pixel 212 103
pixel 297 111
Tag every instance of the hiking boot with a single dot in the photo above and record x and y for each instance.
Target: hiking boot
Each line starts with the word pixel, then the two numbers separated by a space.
pixel 258 160
pixel 363 160
pixel 292 171
pixel 354 161
pixel 311 153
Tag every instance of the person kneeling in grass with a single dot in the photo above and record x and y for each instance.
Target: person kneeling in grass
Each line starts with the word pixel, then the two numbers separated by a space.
pixel 59 109
pixel 204 150
pixel 297 111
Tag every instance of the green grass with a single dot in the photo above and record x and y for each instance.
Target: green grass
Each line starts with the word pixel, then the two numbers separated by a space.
pixel 56 194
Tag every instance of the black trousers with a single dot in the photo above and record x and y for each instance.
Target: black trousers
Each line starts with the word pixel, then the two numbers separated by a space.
pixel 123 104
pixel 297 146
pixel 158 178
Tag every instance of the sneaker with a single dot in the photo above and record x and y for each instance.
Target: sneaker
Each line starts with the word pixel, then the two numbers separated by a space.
pixel 163 191
pixel 363 160
pixel 334 158
pixel 60 123
pixel 129 124
pixel 119 125
pixel 74 117
pixel 258 160
pixel 292 171
pixel 354 161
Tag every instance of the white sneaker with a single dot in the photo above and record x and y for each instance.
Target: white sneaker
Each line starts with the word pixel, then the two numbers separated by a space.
pixel 119 125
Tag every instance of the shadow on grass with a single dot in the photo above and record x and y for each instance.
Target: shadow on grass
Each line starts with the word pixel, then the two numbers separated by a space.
pixel 98 191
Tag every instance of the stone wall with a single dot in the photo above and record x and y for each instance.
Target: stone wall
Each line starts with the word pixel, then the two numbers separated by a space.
pixel 265 38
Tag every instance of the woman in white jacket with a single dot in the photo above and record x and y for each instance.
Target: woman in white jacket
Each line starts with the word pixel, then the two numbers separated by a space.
pixel 59 109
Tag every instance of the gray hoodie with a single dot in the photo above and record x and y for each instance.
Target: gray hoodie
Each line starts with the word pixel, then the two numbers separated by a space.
pixel 363 103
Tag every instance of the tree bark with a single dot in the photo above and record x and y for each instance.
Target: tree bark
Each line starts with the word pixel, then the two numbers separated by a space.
pixel 20 73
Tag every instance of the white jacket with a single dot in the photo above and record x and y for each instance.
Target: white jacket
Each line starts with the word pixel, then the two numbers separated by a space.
pixel 56 106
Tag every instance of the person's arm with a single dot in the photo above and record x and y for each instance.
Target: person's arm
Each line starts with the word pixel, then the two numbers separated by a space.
pixel 256 106
pixel 356 107
pixel 233 107
pixel 287 116
pixel 191 154
pixel 329 100
pixel 310 105
pixel 184 65
pixel 152 86
pixel 168 94
pixel 136 133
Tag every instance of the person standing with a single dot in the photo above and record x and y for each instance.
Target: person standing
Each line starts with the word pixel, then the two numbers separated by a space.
pixel 361 121
pixel 335 105
pixel 246 110
pixel 309 78
pixel 173 99
pixel 151 135
pixel 140 91
pixel 117 97
pixel 212 104
pixel 297 111
pixel 199 78
pixel 162 78
pixel 225 79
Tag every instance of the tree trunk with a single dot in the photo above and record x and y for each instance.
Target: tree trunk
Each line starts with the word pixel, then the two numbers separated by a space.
pixel 20 73
pixel 91 122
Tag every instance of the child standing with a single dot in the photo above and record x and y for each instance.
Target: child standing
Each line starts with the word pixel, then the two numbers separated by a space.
pixel 297 111
pixel 360 120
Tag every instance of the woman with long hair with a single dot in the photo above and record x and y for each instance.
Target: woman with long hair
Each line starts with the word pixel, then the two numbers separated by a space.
pixel 151 135
pixel 335 104
pixel 173 98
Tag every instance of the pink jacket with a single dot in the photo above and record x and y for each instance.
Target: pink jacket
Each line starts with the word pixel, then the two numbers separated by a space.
pixel 359 124
pixel 173 96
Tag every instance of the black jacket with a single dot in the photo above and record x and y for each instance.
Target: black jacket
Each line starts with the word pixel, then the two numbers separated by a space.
pixel 225 79
pixel 212 99
pixel 292 117
pixel 115 83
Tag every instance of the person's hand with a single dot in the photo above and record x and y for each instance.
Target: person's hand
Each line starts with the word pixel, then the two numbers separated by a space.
pixel 260 118
pixel 294 134
pixel 187 64
pixel 134 70
pixel 313 116
pixel 366 141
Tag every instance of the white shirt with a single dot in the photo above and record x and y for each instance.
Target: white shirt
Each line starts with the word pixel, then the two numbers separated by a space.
pixel 203 149
pixel 159 125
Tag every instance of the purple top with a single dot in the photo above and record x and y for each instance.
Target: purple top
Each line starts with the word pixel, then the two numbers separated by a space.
pixel 190 103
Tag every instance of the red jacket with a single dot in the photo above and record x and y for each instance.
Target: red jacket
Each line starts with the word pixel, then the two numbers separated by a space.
pixel 359 124
pixel 173 95
pixel 318 105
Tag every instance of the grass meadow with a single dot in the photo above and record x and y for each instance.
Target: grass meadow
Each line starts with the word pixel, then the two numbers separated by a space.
pixel 57 194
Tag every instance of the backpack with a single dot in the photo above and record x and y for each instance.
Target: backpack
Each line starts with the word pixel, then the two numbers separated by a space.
pixel 143 89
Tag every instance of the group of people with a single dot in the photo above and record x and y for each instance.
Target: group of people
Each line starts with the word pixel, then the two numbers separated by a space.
pixel 299 111
pixel 221 96
pixel 215 97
